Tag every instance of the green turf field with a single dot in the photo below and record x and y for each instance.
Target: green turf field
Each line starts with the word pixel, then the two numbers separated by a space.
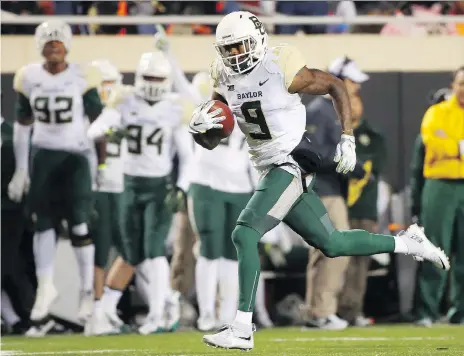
pixel 376 341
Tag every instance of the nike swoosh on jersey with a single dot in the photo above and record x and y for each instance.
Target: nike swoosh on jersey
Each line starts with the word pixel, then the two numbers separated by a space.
pixel 262 83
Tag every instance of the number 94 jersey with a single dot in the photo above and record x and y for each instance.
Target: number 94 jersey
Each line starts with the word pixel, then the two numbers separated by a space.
pixel 56 103
pixel 272 119
pixel 154 133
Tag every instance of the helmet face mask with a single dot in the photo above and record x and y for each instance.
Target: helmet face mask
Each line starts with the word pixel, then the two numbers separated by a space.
pixel 241 42
pixel 239 55
pixel 153 76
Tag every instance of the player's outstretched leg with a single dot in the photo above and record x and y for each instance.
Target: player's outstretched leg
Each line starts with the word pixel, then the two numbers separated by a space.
pixel 309 219
pixel 272 200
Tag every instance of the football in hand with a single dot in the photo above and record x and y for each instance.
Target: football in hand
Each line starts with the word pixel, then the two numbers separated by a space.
pixel 229 122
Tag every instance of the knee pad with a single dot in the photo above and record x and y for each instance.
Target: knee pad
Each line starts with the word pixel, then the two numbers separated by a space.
pixel 81 240
pixel 245 237
pixel 261 224
pixel 80 229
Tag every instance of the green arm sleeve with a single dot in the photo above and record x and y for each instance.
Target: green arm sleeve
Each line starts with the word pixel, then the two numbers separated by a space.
pixel 417 175
pixel 92 104
pixel 93 108
pixel 23 108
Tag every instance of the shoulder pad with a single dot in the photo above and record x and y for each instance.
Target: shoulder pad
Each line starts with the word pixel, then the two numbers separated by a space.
pixel 92 76
pixel 119 95
pixel 285 59
pixel 216 73
pixel 22 75
pixel 181 107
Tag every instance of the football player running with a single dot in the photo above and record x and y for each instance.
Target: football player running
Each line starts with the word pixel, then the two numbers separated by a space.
pixel 217 194
pixel 54 98
pixel 261 85
pixel 152 118
pixel 110 184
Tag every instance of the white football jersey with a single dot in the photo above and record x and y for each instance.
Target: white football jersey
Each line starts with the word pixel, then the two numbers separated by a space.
pixel 227 168
pixel 57 104
pixel 113 176
pixel 272 119
pixel 154 133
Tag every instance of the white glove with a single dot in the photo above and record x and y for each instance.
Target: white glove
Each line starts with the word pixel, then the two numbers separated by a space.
pixel 461 148
pixel 161 42
pixel 18 186
pixel 203 121
pixel 345 154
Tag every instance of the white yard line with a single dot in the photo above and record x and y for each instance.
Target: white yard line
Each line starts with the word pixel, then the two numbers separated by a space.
pixel 355 338
pixel 81 352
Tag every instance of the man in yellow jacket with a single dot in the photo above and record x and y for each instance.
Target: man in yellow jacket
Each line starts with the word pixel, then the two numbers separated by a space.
pixel 443 201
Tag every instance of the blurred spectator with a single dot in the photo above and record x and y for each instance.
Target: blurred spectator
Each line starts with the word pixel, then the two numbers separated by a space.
pixel 22 8
pixel 417 28
pixel 119 8
pixel 457 8
pixel 145 8
pixel 325 275
pixel 16 285
pixel 64 7
pixel 372 8
pixel 302 8
pixel 228 7
pixel 442 205
pixel 362 211
pixel 47 7
pixel 346 9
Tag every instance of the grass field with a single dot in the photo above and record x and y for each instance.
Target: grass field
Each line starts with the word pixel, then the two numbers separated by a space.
pixel 376 341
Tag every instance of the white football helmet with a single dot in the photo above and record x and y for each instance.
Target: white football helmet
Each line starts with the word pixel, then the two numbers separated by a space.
pixel 153 65
pixel 54 30
pixel 110 77
pixel 202 83
pixel 240 28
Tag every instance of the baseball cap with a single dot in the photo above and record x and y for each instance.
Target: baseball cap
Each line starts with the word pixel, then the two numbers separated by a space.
pixel 344 67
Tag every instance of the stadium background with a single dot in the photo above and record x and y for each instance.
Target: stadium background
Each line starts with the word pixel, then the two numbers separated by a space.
pixel 394 100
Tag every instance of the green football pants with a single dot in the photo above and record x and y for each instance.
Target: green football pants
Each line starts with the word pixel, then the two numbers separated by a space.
pixel 145 218
pixel 443 221
pixel 280 196
pixel 214 215
pixel 105 227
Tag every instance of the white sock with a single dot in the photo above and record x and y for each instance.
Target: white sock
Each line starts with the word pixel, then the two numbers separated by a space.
pixel 260 302
pixel 206 280
pixel 110 299
pixel 44 245
pixel 142 280
pixel 97 308
pixel 400 245
pixel 228 290
pixel 7 310
pixel 158 286
pixel 244 317
pixel 85 257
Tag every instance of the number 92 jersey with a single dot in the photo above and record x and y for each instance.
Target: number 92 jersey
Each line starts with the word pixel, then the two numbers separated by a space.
pixel 272 119
pixel 56 103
